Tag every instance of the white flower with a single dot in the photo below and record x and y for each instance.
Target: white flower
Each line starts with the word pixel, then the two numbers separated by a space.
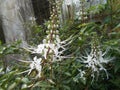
pixel 36 64
pixel 95 61
pixel 45 53
pixel 56 49
pixel 49 26
pixel 58 39
pixel 82 73
pixel 44 41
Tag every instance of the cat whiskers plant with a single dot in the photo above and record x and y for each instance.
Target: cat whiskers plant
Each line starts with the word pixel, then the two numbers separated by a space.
pixel 52 47
pixel 96 60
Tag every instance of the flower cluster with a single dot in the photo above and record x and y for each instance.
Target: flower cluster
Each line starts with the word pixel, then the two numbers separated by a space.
pixel 36 64
pixel 82 13
pixel 81 74
pixel 52 48
pixel 95 61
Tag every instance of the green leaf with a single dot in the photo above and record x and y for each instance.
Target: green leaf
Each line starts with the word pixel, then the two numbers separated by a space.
pixel 7 78
pixel 66 87
pixel 18 79
pixel 117 66
pixel 67 73
pixel 12 86
pixel 1 88
pixel 83 81
pixel 0 42
pixel 75 80
pixel 25 80
pixel 24 86
pixel 43 84
pixel 118 26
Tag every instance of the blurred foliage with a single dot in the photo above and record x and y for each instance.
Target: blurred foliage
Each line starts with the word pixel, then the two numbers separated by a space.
pixel 65 73
pixel 38 33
